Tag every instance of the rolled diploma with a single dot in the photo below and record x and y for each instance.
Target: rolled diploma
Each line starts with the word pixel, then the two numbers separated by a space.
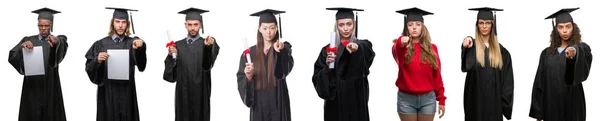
pixel 332 45
pixel 248 58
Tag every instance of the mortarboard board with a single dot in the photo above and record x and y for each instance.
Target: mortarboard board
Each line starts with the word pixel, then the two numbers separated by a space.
pixel 122 13
pixel 412 14
pixel 194 14
pixel 268 16
pixel 487 13
pixel 46 13
pixel 344 13
pixel 562 16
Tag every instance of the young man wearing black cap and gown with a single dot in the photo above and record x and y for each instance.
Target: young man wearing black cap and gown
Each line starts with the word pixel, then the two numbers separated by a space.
pixel 419 79
pixel 41 97
pixel 558 87
pixel 189 63
pixel 489 83
pixel 117 100
pixel 344 86
pixel 262 79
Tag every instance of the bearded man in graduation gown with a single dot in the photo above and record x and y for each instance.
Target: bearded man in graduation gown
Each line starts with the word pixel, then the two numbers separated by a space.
pixel 41 96
pixel 189 64
pixel 117 100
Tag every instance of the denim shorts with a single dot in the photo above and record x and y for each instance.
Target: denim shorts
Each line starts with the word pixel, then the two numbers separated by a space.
pixel 416 104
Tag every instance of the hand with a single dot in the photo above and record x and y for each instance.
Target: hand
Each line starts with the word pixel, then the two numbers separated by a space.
pixel 172 49
pixel 209 41
pixel 278 46
pixel 249 70
pixel 468 42
pixel 352 47
pixel 102 56
pixel 52 41
pixel 137 43
pixel 404 40
pixel 441 110
pixel 570 52
pixel 330 57
pixel 27 44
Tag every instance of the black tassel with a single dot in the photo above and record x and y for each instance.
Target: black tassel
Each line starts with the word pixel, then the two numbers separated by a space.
pixel 202 23
pixel 131 19
pixel 280 33
pixel 356 26
pixel 495 24
pixel 405 30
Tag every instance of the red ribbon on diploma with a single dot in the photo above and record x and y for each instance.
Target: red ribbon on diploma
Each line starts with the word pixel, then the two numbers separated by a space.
pixel 171 44
pixel 246 52
pixel 334 49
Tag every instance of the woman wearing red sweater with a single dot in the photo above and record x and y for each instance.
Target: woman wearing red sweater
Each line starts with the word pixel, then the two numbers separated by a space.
pixel 419 79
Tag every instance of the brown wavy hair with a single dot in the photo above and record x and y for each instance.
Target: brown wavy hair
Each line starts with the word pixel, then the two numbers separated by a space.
pixel 556 41
pixel 265 73
pixel 112 30
pixel 428 55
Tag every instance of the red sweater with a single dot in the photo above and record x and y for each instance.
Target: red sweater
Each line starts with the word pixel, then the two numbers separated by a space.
pixel 417 77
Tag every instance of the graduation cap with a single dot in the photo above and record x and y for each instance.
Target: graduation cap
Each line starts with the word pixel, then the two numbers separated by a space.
pixel 344 13
pixel 194 14
pixel 268 16
pixel 412 14
pixel 561 16
pixel 487 13
pixel 122 13
pixel 46 13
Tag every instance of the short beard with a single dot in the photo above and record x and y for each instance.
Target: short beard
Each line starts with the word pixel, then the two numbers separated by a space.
pixel 190 34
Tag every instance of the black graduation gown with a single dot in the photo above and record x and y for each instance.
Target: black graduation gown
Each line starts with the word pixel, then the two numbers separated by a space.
pixel 41 96
pixel 488 91
pixel 345 88
pixel 117 100
pixel 191 71
pixel 271 104
pixel 558 91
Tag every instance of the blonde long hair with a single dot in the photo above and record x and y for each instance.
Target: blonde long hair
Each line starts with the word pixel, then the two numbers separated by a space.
pixel 495 56
pixel 427 53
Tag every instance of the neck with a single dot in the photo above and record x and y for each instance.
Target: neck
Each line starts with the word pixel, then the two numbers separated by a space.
pixel 486 38
pixel 344 39
pixel 267 44
pixel 416 39
pixel 564 44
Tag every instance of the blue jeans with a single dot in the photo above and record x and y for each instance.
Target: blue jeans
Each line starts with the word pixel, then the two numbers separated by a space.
pixel 416 104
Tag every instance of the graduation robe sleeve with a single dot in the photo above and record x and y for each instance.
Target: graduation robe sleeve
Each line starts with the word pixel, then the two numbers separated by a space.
pixel 468 58
pixel 210 55
pixel 95 70
pixel 362 58
pixel 58 52
pixel 15 56
pixel 578 68
pixel 140 56
pixel 324 79
pixel 285 62
pixel 245 86
pixel 507 81
pixel 537 94
pixel 170 72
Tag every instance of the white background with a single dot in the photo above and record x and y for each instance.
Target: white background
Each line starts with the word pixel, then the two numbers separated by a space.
pixel 306 25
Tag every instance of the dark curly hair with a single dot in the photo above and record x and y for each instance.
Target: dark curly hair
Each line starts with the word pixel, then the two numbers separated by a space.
pixel 555 40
